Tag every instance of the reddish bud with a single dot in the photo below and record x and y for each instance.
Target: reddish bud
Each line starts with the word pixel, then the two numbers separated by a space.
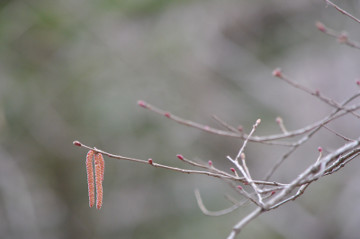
pixel 77 143
pixel 279 120
pixel 210 163
pixel 240 128
pixel 167 114
pixel 273 192
pixel 320 149
pixel 239 187
pixel 358 82
pixel 150 161
pixel 277 72
pixel 246 183
pixel 180 156
pixel 232 170
pixel 142 104
pixel 317 92
pixel 320 26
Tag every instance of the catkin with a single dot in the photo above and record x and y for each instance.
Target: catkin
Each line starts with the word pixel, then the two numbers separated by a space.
pixel 90 177
pixel 99 176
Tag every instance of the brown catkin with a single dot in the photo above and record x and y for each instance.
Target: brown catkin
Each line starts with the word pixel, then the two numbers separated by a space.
pixel 99 163
pixel 90 177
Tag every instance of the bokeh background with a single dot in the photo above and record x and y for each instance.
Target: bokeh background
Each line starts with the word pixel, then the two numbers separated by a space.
pixel 75 70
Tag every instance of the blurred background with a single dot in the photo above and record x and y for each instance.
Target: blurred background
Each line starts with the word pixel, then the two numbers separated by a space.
pixel 74 70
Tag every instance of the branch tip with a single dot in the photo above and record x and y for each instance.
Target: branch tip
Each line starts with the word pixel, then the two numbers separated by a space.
pixel 277 73
pixel 77 143
pixel 150 161
pixel 321 27
pixel 142 104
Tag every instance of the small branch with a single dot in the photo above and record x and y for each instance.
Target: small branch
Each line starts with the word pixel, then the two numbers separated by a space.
pixel 240 225
pixel 341 37
pixel 214 169
pixel 157 165
pixel 280 122
pixel 279 74
pixel 247 139
pixel 311 170
pixel 263 139
pixel 298 194
pixel 243 168
pixel 342 10
pixel 338 134
pixel 215 213
pixel 226 125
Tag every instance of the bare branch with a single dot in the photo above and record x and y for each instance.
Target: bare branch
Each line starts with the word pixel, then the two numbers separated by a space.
pixel 342 10
pixel 341 37
pixel 215 213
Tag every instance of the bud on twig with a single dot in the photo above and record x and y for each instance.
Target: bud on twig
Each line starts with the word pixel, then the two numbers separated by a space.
pixel 320 26
pixel 277 73
pixel 180 156
pixel 77 143
pixel 142 104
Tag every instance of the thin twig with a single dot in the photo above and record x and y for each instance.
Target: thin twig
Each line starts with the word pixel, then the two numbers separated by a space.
pixel 342 37
pixel 338 134
pixel 157 165
pixel 215 213
pixel 223 123
pixel 238 227
pixel 342 10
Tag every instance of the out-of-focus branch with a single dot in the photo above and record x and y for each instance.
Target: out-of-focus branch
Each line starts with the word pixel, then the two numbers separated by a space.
pixel 342 37
pixel 312 173
pixel 342 10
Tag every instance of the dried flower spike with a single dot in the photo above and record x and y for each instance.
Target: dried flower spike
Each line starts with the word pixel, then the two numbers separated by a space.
pixel 90 177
